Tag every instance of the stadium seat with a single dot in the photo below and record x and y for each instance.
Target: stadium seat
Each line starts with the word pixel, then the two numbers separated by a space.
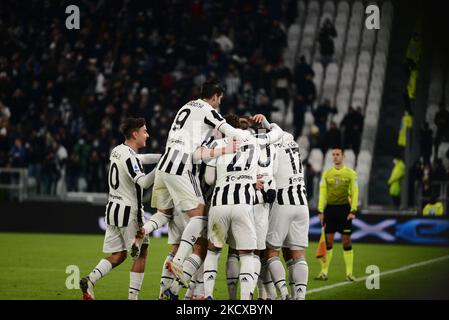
pixel 365 58
pixel 329 8
pixel 327 159
pixel 343 100
pixel 358 98
pixel 364 157
pixel 357 8
pixel 343 7
pixel 293 34
pixel 368 39
pixel 279 116
pixel 387 9
pixel 337 118
pixel 432 110
pixel 350 158
pixel 442 150
pixel 316 159
pixel 313 8
pixel 304 146
pixel 301 11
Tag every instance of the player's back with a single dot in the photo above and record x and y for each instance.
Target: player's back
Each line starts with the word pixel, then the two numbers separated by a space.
pixel 289 175
pixel 125 195
pixel 191 126
pixel 236 174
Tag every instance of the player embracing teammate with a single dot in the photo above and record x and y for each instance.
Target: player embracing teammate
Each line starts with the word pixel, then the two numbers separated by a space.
pixel 236 180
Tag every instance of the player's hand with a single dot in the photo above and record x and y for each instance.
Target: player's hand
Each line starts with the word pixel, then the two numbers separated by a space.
pixel 259 118
pixel 321 216
pixel 140 233
pixel 351 216
pixel 259 183
pixel 270 196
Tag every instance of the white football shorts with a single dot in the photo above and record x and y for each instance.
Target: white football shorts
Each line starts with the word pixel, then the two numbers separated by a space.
pixel 288 226
pixel 181 191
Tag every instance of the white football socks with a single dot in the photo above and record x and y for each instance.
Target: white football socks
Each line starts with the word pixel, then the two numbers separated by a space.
pixel 166 277
pixel 246 276
pixel 232 275
pixel 210 272
pixel 156 221
pixel 192 232
pixel 278 275
pixel 135 284
pixel 300 275
pixel 101 270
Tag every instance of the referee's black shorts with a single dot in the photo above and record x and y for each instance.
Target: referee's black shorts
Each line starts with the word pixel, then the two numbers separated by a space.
pixel 336 219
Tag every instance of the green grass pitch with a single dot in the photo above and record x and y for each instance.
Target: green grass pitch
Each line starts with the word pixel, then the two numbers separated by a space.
pixel 33 266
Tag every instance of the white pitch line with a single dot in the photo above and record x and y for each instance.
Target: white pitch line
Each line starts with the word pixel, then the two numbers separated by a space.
pixel 410 266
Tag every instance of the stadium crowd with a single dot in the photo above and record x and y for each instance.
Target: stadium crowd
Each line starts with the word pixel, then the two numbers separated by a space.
pixel 64 92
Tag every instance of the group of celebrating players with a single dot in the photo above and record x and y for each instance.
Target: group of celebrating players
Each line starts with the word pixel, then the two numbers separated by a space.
pixel 222 180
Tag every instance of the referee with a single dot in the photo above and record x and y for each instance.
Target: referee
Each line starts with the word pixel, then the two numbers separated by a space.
pixel 337 207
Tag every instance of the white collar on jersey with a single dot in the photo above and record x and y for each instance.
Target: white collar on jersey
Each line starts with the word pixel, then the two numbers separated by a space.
pixel 132 150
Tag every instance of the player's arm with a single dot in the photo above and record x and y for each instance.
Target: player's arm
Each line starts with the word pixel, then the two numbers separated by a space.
pixel 210 175
pixel 146 180
pixel 204 153
pixel 216 121
pixel 354 190
pixel 275 133
pixel 149 158
pixel 139 177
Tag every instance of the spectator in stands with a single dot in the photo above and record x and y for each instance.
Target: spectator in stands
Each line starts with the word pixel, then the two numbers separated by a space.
pixel 414 181
pixel 50 172
pixel 434 208
pixel 310 175
pixel 406 124
pixel 35 149
pixel 439 172
pixel 233 83
pixel 321 114
pixel 327 48
pixel 304 100
pixel 394 182
pixel 425 183
pixel 282 78
pixel 426 142
pixel 263 103
pixel 61 161
pixel 442 122
pixel 332 138
pixel 73 172
pixel 74 86
pixel 5 113
pixel 18 154
pixel 302 71
pixel 413 57
pixel 352 124
pixel 95 173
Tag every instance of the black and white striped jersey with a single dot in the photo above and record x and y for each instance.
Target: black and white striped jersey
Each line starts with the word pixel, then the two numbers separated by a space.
pixel 235 173
pixel 192 125
pixel 267 161
pixel 125 195
pixel 289 175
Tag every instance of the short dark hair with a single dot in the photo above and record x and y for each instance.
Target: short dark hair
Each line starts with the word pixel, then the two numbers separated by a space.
pixel 233 120
pixel 338 148
pixel 130 125
pixel 211 88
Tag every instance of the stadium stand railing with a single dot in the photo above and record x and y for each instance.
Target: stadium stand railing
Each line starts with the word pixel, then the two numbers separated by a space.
pixel 14 182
